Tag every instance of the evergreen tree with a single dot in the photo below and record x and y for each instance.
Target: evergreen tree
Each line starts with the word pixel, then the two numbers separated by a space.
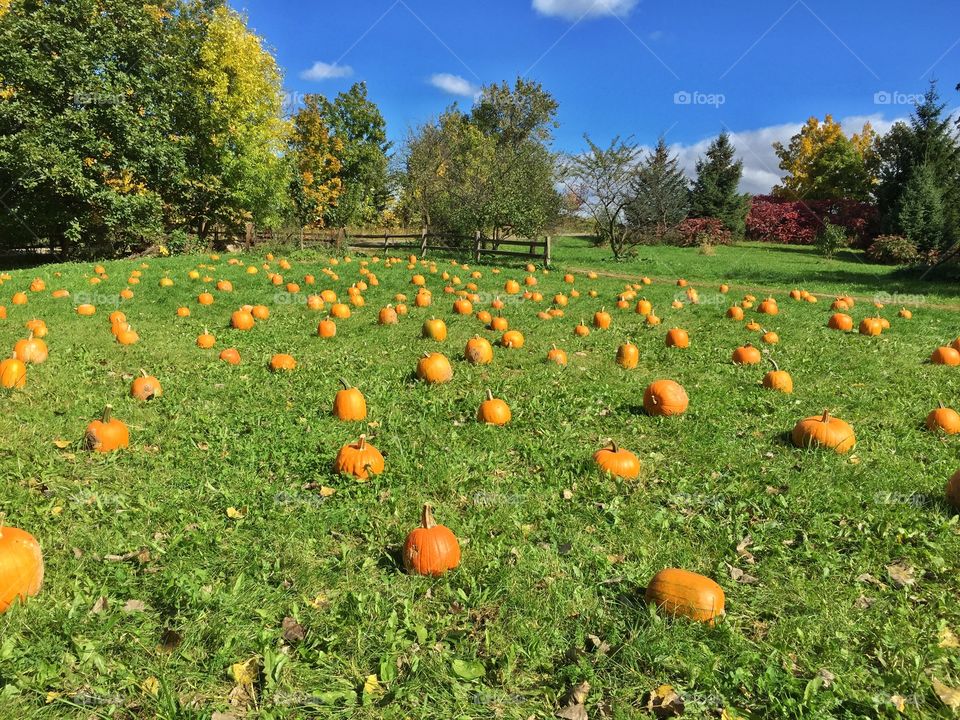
pixel 922 214
pixel 715 192
pixel 661 193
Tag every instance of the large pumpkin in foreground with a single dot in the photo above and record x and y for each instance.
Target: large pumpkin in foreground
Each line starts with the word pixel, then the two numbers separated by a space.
pixel 430 549
pixel 824 431
pixel 681 592
pixel 665 397
pixel 21 566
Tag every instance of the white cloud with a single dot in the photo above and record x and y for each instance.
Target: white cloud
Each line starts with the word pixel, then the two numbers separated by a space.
pixel 454 85
pixel 326 71
pixel 577 9
pixel 761 169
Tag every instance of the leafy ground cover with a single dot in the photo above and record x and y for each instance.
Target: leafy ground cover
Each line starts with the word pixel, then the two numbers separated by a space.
pixel 219 566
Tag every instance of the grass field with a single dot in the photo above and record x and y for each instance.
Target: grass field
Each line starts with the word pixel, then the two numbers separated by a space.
pixel 172 561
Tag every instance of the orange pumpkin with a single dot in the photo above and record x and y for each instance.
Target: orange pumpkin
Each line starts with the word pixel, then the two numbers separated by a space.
pixel 628 355
pixel 145 387
pixel 683 593
pixel 359 459
pixel 905 314
pixel 462 306
pixel 839 321
pixel 665 397
pixel 231 356
pixel 824 431
pixel 107 434
pixel 512 339
pixel 478 351
pixel 340 310
pixel 493 411
pixel 602 319
pixel 581 330
pixel 434 369
pixel 282 362
pixel 205 340
pixel 430 549
pixel 746 355
pixel 778 379
pixel 242 320
pixel 349 404
pixel 435 329
pixel 945 355
pixel 327 328
pixel 768 307
pixel 21 566
pixel 871 326
pixel 205 298
pixel 735 313
pixel 86 309
pixel 260 312
pixel 13 373
pixel 944 419
pixel 30 350
pixel 643 307
pixel 387 316
pixel 183 312
pixel 557 356
pixel 677 338
pixel 617 461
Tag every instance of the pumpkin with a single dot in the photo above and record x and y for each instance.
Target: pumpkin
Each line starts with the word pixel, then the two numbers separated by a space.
pixel 677 338
pixel 665 397
pixel 839 304
pixel 107 434
pixel 770 337
pixel 30 350
pixel 871 326
pixel 360 459
pixel 601 319
pixel 824 431
pixel 462 306
pixel 652 320
pixel 944 419
pixel 231 356
pixel 568 278
pixel 86 309
pixel 581 330
pixel 21 566
pixel 242 320
pixel 493 411
pixel 145 387
pixel 512 339
pixel 37 327
pixel 617 461
pixel 953 491
pixel 643 307
pixel 434 329
pixel 905 314
pixel 753 326
pixel 483 316
pixel 326 328
pixel 735 313
pixel 511 287
pixel 778 379
pixel 387 316
pixel 126 335
pixel 205 298
pixel 430 549
pixel 340 310
pixel 746 355
pixel 13 373
pixel 282 362
pixel 839 321
pixel 724 288
pixel 117 318
pixel 349 403
pixel 956 344
pixel 945 355
pixel 205 340
pixel 681 283
pixel 768 307
pixel 19 298
pixel 557 356
pixel 688 594
pixel 628 355
pixel 434 368
pixel 478 351
pixel 183 312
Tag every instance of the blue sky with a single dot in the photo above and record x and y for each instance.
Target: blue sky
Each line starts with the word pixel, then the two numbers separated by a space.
pixel 630 67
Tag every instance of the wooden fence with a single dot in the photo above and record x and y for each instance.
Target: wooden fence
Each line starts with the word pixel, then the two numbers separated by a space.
pixel 423 242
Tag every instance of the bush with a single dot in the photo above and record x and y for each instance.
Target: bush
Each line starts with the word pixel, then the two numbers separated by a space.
pixel 831 238
pixel 774 219
pixel 893 250
pixel 701 231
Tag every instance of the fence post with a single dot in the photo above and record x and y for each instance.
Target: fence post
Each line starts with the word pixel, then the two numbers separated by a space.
pixel 248 240
pixel 476 247
pixel 301 238
pixel 386 241
pixel 546 252
pixel 423 243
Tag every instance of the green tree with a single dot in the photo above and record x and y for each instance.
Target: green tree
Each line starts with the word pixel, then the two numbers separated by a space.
pixel 360 132
pixel 715 192
pixel 316 183
pixel 661 193
pixel 921 216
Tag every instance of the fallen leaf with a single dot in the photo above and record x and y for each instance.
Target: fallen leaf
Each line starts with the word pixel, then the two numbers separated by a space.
pixel 371 686
pixel 595 644
pixel 949 695
pixel 468 669
pixel 132 606
pixel 292 630
pixel 738 575
pixel 863 602
pixel 151 686
pixel 568 494
pixel 664 702
pixel 235 514
pixel 326 491
pixel 901 574
pixel 870 579
pixel 899 702
pixel 246 672
pixel 948 639
pixel 743 552
pixel 827 677
pixel 56 510
pixel 574 709
pixel 100 605
pixel 319 602
pixel 61 443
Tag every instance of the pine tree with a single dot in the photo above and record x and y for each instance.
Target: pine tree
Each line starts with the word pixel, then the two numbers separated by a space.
pixel 661 194
pixel 922 216
pixel 715 192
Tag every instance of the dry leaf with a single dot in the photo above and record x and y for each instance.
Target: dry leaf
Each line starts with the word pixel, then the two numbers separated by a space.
pixel 319 602
pixel 743 552
pixel 949 695
pixel 664 702
pixel 151 686
pixel 948 639
pixel 326 491
pixel 595 644
pixel 292 630
pixel 246 672
pixel 100 605
pixel 132 606
pixel 863 602
pixel 827 677
pixel 371 685
pixel 574 709
pixel 568 494
pixel 170 640
pixel 235 514
pixel 899 702
pixel 740 576
pixel 868 578
pixel 61 443
pixel 901 574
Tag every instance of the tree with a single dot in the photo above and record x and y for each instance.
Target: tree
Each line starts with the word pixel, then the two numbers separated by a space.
pixel 822 163
pixel 602 180
pixel 921 215
pixel 715 192
pixel 525 112
pixel 661 193
pixel 316 183
pixel 360 132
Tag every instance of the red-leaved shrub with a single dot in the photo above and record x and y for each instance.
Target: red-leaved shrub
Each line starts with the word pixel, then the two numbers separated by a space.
pixel 773 219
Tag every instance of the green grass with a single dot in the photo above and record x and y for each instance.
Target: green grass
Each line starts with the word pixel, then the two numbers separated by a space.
pixel 540 571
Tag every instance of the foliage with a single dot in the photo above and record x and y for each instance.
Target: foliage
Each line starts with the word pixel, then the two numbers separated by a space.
pixel 316 183
pixel 603 180
pixel 661 194
pixel 922 214
pixel 715 192
pixel 892 250
pixel 822 163
pixel 830 239
pixel 702 231
pixel 774 219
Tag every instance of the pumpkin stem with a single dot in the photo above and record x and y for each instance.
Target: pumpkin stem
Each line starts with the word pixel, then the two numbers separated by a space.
pixel 826 416
pixel 107 411
pixel 490 394
pixel 143 373
pixel 613 446
pixel 426 517
pixel 773 362
pixel 345 384
pixel 362 443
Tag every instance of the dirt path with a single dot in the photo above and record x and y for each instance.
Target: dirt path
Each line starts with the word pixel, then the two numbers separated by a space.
pixel 764 290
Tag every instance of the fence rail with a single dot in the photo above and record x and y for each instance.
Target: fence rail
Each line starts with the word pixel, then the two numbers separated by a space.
pixel 422 242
